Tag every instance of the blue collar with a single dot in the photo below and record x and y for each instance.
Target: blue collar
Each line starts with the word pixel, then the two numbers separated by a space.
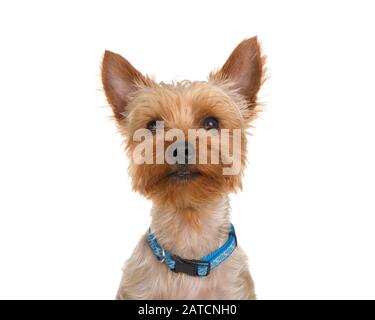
pixel 200 267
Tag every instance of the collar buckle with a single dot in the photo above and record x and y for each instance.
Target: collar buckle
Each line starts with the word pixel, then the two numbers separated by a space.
pixel 190 267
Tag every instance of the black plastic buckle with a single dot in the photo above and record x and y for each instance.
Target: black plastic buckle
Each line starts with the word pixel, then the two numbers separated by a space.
pixel 190 267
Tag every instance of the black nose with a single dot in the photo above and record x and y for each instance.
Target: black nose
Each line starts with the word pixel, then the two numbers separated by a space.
pixel 183 153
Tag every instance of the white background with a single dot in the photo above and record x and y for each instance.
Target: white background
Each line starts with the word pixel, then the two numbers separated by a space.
pixel 68 218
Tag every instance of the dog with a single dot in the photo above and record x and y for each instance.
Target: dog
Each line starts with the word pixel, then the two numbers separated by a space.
pixel 190 250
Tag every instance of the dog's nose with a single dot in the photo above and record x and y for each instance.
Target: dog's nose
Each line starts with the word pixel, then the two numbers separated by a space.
pixel 181 152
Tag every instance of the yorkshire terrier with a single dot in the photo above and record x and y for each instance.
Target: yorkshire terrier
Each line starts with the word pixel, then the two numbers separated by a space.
pixel 190 250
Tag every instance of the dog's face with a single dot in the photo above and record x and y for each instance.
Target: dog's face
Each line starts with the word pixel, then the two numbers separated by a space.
pixel 170 128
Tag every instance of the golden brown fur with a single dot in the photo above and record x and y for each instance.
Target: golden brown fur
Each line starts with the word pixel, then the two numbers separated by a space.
pixel 192 218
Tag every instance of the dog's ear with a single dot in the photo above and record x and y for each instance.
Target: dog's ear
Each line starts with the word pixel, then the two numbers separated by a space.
pixel 244 68
pixel 120 81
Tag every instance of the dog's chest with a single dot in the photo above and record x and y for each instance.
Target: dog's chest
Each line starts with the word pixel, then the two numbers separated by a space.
pixel 219 284
pixel 181 286
pixel 146 278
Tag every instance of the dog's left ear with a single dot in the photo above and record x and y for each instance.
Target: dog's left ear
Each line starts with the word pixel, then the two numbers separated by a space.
pixel 244 68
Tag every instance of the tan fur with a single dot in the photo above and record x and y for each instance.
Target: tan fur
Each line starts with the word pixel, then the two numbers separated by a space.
pixel 192 218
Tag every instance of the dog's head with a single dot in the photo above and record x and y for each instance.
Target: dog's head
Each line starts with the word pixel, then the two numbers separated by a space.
pixel 186 141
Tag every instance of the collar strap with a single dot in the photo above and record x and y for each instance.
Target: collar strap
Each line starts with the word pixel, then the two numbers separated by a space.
pixel 201 267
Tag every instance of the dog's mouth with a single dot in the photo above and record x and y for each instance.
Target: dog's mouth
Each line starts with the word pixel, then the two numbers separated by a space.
pixel 184 174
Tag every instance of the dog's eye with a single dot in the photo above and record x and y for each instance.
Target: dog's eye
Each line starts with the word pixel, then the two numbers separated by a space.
pixel 210 123
pixel 151 125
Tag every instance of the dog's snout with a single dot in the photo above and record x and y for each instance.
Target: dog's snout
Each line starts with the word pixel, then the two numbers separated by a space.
pixel 181 152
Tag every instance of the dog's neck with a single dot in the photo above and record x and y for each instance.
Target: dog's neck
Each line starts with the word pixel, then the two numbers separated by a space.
pixel 192 232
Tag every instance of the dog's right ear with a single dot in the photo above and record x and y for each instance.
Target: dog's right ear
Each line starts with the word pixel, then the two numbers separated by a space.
pixel 120 81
